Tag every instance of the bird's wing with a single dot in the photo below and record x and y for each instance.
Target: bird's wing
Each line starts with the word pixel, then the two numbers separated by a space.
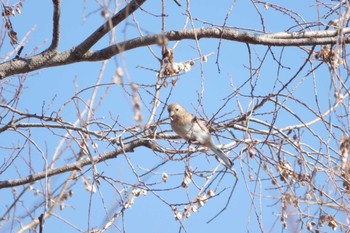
pixel 200 124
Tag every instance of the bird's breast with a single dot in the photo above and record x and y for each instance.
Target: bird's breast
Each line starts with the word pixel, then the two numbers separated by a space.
pixel 190 131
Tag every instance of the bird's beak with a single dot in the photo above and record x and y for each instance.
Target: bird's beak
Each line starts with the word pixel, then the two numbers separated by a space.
pixel 171 115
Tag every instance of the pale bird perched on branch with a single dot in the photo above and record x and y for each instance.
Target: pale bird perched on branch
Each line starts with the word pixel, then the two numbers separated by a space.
pixel 190 128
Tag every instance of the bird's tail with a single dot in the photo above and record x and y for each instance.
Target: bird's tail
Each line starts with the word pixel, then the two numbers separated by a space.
pixel 221 156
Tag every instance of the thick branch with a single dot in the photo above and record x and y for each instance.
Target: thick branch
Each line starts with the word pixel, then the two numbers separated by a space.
pixel 23 65
pixel 56 25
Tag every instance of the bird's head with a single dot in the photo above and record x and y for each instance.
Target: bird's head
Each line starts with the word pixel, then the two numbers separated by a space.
pixel 175 110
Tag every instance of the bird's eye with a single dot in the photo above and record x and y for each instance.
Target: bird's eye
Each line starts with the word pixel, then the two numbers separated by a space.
pixel 177 109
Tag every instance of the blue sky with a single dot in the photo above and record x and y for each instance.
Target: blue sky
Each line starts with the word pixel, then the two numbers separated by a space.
pixel 149 214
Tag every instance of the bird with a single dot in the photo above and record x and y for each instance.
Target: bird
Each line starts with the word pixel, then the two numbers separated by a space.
pixel 190 128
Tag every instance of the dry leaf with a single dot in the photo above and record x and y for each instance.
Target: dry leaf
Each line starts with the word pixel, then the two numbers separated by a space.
pixel 187 179
pixel 164 177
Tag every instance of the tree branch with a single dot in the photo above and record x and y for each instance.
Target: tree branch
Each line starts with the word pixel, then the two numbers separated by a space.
pixel 107 26
pixel 56 25
pixel 128 147
pixel 23 65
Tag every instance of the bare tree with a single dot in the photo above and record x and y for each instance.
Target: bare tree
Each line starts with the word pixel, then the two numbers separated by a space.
pixel 278 105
